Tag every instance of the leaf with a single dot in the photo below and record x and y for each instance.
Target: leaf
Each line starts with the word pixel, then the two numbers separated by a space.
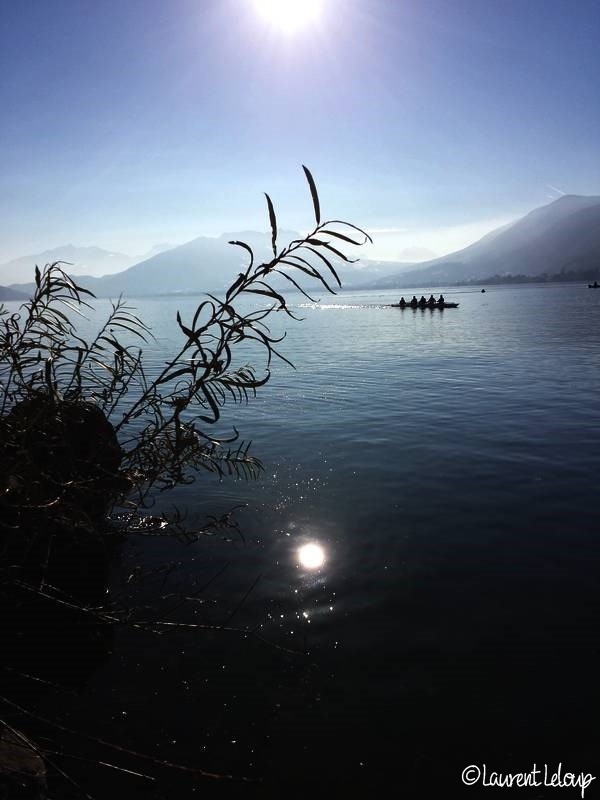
pixel 313 193
pixel 235 286
pixel 296 284
pixel 341 236
pixel 270 293
pixel 328 263
pixel 172 375
pixel 119 324
pixel 212 403
pixel 199 311
pixel 314 273
pixel 339 254
pixel 308 268
pixel 350 225
pixel 82 290
pixel 187 331
pixel 273 221
pixel 247 248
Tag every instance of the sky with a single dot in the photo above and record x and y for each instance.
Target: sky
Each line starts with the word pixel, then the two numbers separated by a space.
pixel 427 122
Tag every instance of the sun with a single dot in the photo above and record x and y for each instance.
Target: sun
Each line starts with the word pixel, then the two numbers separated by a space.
pixel 289 16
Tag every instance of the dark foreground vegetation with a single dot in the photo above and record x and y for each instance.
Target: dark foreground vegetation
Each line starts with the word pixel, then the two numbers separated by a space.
pixel 88 439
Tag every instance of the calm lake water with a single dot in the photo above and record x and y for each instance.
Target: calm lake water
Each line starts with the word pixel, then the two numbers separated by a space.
pixel 448 465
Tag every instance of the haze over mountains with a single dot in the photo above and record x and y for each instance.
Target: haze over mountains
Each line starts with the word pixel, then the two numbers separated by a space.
pixel 562 237
pixel 204 264
pixel 92 261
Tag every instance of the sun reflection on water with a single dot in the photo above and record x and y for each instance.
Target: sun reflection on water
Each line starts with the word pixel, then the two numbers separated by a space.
pixel 311 555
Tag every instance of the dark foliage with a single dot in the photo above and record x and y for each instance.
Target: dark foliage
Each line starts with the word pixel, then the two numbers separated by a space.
pixel 85 430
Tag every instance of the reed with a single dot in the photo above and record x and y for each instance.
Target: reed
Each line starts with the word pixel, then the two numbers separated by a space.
pixel 54 384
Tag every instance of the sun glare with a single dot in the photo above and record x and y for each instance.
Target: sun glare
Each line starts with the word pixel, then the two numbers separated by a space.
pixel 289 16
pixel 311 556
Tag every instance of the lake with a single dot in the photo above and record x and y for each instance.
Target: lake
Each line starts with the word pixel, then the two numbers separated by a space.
pixel 447 463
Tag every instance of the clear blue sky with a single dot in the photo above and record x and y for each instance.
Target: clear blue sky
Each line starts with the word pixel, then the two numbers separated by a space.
pixel 131 122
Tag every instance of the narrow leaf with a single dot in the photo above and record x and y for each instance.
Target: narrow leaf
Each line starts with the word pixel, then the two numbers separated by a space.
pixel 297 285
pixel 271 294
pixel 328 263
pixel 313 193
pixel 273 221
pixel 316 275
pixel 341 236
pixel 350 225
pixel 248 250
pixel 330 247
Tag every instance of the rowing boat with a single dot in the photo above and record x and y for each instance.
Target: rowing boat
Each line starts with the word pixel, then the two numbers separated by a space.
pixel 441 306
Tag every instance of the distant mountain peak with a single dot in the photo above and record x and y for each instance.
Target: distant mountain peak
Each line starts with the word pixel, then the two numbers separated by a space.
pixel 584 198
pixel 561 236
pixel 82 260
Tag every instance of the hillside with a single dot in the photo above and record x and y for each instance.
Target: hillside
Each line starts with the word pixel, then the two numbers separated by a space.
pixel 92 261
pixel 561 237
pixel 80 260
pixel 7 293
pixel 209 264
pixel 200 265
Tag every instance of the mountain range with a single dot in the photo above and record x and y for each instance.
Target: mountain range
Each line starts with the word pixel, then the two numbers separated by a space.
pixel 205 264
pixel 93 261
pixel 558 239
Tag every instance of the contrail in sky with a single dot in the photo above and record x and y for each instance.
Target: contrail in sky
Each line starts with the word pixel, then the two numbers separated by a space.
pixel 555 189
